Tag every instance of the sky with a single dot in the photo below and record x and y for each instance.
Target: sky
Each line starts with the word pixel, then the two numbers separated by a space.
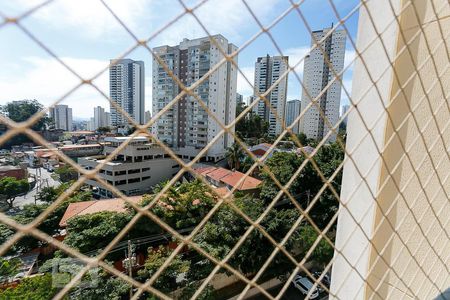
pixel 84 35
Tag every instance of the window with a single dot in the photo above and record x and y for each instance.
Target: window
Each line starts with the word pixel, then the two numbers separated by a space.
pixel 134 180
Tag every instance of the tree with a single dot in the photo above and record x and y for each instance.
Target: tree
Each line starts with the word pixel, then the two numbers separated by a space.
pixel 47 194
pixel 251 126
pixel 66 173
pixel 184 204
pixel 5 234
pixel 11 187
pixel 49 225
pixel 36 288
pixel 170 278
pixel 323 253
pixel 220 235
pixel 107 287
pixel 95 284
pixel 234 154
pixel 283 166
pixel 103 130
pixel 8 268
pixel 303 139
pixel 94 231
pixel 308 182
pixel 20 111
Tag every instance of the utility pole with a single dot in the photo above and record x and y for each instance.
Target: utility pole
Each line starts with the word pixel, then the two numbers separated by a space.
pixel 128 263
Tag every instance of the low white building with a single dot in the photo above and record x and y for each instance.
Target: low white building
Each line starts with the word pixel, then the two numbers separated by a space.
pixel 134 170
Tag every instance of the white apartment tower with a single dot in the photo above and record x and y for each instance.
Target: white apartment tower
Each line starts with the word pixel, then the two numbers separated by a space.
pixel 126 86
pixel 292 112
pixel 99 117
pixel 317 75
pixel 268 70
pixel 62 117
pixel 186 126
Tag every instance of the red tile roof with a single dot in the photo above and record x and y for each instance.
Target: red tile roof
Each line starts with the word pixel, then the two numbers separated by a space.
pixel 95 206
pixel 249 183
pixel 230 178
pixel 203 170
pixel 218 173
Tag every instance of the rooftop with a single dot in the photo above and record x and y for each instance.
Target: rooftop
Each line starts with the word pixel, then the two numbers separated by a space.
pixel 230 178
pixel 95 206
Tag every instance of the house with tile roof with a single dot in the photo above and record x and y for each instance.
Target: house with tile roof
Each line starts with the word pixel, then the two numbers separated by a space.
pixel 95 206
pixel 224 180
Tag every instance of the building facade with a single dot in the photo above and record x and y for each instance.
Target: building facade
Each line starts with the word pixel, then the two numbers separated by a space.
pixel 268 70
pixel 102 118
pixel 127 90
pixel 134 170
pixel 317 75
pixel 239 99
pixel 292 112
pixel 62 117
pixel 186 126
pixel 147 117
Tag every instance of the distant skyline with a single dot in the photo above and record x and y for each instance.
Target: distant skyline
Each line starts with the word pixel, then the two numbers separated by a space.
pixel 96 37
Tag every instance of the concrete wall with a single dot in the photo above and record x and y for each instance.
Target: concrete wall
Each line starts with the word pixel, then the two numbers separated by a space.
pixel 398 248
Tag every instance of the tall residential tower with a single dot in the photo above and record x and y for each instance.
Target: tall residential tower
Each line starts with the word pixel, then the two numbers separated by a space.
pixel 316 76
pixel 126 86
pixel 268 70
pixel 186 126
pixel 62 117
pixel 292 112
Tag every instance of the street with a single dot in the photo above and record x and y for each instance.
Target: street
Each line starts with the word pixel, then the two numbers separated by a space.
pixel 45 180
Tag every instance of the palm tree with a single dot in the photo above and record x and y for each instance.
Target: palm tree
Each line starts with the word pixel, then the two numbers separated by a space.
pixel 234 155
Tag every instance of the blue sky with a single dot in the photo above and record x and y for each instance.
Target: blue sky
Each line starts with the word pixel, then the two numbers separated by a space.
pixel 85 36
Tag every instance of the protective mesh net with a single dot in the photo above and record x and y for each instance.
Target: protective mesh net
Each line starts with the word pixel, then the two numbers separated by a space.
pixel 280 243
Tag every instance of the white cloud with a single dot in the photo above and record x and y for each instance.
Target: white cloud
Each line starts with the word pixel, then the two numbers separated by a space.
pixel 228 17
pixel 243 87
pixel 295 56
pixel 46 80
pixel 91 18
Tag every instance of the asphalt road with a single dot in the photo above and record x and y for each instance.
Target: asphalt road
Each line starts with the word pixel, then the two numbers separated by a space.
pixel 46 180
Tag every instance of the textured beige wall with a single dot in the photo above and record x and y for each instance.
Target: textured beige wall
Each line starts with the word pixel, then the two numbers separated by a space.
pixel 401 247
pixel 416 198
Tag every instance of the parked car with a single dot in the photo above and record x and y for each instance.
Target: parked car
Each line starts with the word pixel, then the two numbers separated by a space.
pixel 304 285
pixel 326 280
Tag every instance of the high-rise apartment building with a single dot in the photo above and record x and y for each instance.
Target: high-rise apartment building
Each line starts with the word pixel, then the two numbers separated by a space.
pixel 99 117
pixel 147 116
pixel 268 70
pixel 317 75
pixel 292 112
pixel 239 99
pixel 186 126
pixel 62 117
pixel 107 119
pixel 126 86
